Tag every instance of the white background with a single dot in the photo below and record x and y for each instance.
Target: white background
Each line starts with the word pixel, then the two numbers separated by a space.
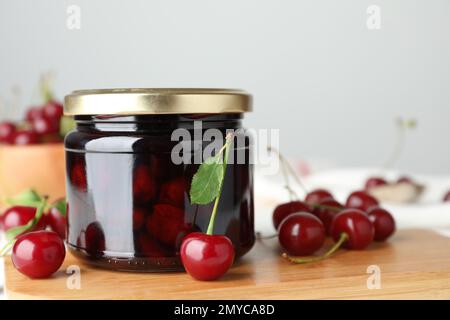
pixel 332 86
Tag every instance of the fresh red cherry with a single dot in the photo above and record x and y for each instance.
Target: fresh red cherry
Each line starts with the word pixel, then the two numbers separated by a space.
pixel 24 137
pixel 326 210
pixel 53 110
pixel 314 197
pixel 286 209
pixel 361 200
pixel 45 125
pixel 38 254
pixel 405 179
pixel 7 130
pixel 301 234
pixel 447 197
pixel 144 186
pixel 57 222
pixel 33 113
pixel 19 216
pixel 206 257
pixel 383 223
pixel 374 182
pixel 356 225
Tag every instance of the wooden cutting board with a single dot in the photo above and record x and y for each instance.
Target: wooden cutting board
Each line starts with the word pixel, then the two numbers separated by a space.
pixel 414 264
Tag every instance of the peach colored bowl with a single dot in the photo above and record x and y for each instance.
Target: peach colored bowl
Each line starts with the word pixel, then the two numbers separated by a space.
pixel 41 167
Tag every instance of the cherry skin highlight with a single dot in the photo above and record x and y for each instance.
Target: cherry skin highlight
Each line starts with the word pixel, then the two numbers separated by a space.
pixel 24 138
pixel 282 211
pixel 38 254
pixel 34 113
pixel 206 257
pixel 19 216
pixel 7 130
pixel 53 110
pixel 356 225
pixel 374 182
pixel 361 200
pixel 314 197
pixel 45 126
pixel 301 234
pixel 383 222
pixel 57 222
pixel 405 179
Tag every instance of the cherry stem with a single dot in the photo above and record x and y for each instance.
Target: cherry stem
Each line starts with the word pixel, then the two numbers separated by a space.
pixel 343 238
pixel 287 169
pixel 46 92
pixel 402 127
pixel 331 208
pixel 225 150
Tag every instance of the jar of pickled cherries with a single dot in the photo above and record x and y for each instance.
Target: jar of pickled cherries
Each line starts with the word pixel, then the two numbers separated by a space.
pixel 128 200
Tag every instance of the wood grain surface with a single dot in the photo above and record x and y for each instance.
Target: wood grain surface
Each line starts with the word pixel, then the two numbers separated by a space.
pixel 415 264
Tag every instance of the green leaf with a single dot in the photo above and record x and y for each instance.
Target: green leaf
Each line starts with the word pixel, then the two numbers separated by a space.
pixel 14 232
pixel 207 181
pixel 61 206
pixel 28 198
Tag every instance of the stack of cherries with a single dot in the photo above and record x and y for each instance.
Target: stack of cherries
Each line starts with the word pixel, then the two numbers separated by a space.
pixel 303 225
pixel 41 125
pixel 38 239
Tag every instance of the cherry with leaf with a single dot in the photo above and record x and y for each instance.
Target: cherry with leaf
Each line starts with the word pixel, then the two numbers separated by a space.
pixel 208 256
pixel 30 248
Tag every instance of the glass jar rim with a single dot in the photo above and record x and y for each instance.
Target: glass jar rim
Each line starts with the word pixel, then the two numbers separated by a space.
pixel 156 101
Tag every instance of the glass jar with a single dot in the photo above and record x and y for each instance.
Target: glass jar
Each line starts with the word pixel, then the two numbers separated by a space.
pixel 128 200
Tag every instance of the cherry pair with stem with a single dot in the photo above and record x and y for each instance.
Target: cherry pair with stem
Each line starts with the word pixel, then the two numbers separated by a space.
pixel 208 256
pixel 37 254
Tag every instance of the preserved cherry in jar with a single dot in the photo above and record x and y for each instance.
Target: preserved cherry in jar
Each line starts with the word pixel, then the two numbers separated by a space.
pixel 129 205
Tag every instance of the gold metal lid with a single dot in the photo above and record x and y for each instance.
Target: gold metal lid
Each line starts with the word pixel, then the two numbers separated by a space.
pixel 156 101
